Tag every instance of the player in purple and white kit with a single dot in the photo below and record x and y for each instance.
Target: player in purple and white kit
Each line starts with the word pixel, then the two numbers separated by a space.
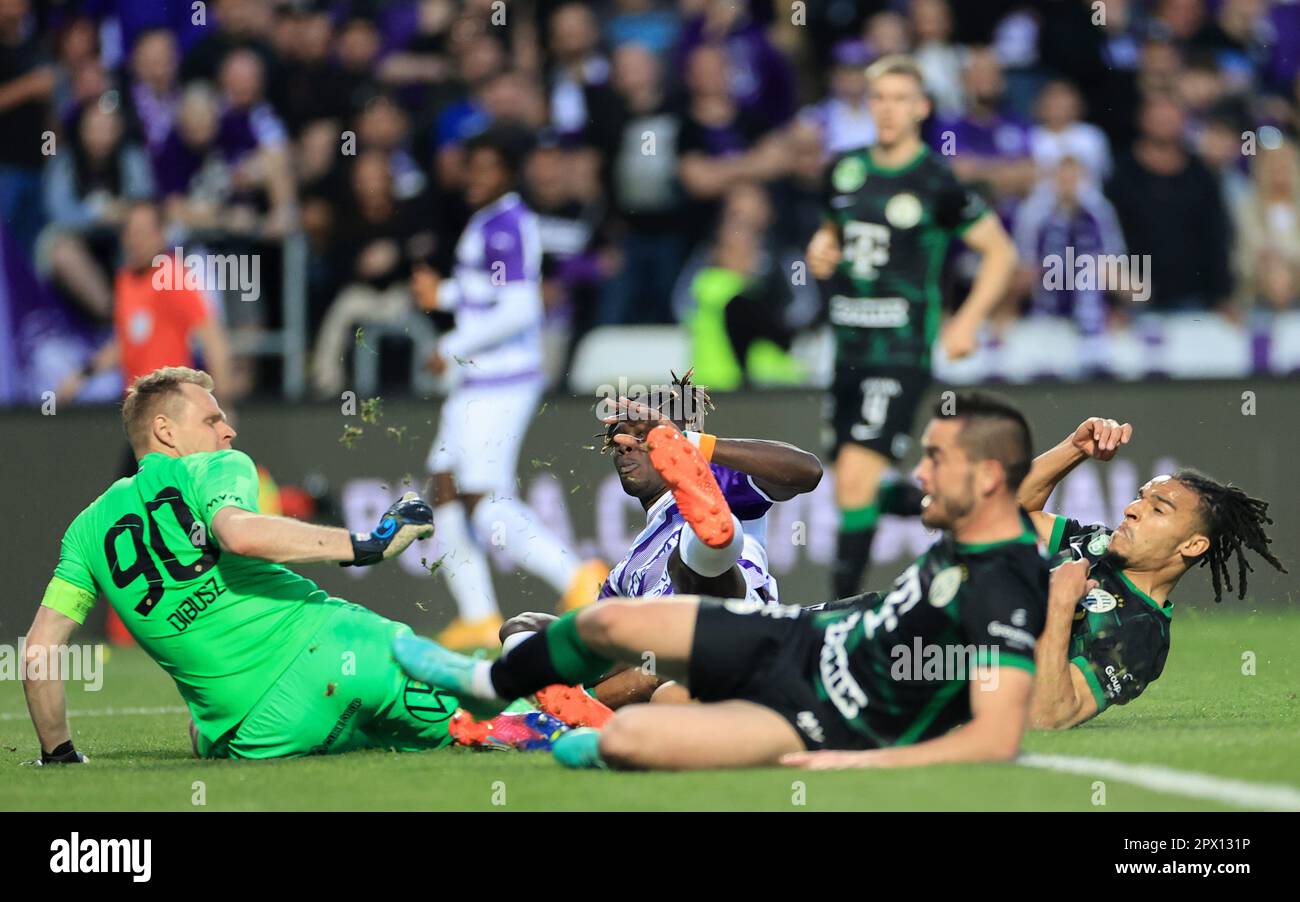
pixel 671 555
pixel 494 356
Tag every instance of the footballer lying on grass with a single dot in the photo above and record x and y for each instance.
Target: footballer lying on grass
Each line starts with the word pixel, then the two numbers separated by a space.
pixel 268 663
pixel 1107 646
pixel 781 684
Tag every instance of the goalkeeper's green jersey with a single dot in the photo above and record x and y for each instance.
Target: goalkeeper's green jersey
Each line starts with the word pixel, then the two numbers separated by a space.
pixel 225 627
pixel 895 225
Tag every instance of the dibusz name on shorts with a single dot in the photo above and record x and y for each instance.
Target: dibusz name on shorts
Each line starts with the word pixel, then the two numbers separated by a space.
pixel 79 663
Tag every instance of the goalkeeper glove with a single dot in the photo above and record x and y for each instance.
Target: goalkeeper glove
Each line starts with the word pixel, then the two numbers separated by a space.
pixel 407 520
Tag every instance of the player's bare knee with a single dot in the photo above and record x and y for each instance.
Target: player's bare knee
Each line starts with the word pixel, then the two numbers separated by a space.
pixel 671 693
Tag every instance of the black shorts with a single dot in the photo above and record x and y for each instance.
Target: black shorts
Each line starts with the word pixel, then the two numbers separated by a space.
pixel 876 407
pixel 766 654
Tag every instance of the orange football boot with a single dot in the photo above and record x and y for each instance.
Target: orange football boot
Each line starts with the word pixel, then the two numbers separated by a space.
pixel 698 496
pixel 573 706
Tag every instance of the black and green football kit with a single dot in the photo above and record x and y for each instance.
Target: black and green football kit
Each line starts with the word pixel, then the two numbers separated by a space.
pixel 268 663
pixel 880 669
pixel 1120 635
pixel 884 300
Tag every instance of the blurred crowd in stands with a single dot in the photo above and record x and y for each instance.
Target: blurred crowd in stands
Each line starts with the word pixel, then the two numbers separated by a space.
pixel 680 149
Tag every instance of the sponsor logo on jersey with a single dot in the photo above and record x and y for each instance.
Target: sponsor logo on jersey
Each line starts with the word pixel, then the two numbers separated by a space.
pixel 1012 634
pixel 765 608
pixel 849 175
pixel 842 689
pixel 903 211
pixel 1099 543
pixel 868 313
pixel 944 585
pixel 1099 601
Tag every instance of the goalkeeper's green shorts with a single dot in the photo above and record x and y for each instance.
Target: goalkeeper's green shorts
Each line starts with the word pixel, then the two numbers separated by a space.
pixel 344 691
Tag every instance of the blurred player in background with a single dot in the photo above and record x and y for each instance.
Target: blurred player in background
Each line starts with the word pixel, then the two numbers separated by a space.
pixel 892 209
pixel 1104 648
pixel 706 501
pixel 153 328
pixel 268 664
pixel 494 358
pixel 819 689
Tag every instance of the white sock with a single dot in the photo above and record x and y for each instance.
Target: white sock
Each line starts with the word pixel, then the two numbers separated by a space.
pixel 465 565
pixel 514 639
pixel 530 543
pixel 480 680
pixel 708 561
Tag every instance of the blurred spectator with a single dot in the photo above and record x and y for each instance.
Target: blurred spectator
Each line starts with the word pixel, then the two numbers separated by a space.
pixel 720 143
pixel 886 34
pixel 87 190
pixel 644 22
pixel 379 237
pixel 1101 58
pixel 255 146
pixel 1157 184
pixel 578 73
pixel 1219 147
pixel 640 147
pixel 1065 219
pixel 382 125
pixel 938 57
pixel 1276 287
pixel 27 80
pixel 843 119
pixel 81 74
pixel 1061 133
pixel 192 176
pixel 422 59
pixel 357 47
pixel 232 25
pixel 757 75
pixel 153 96
pixel 734 299
pixel 1269 220
pixel 986 145
pixel 478 60
pixel 314 88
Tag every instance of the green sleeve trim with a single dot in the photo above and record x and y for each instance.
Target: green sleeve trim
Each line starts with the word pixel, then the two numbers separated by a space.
pixel 1097 693
pixel 965 227
pixel 1020 662
pixel 1058 533
pixel 73 602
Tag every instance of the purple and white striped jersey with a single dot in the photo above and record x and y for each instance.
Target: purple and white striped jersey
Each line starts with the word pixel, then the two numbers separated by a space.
pixel 644 571
pixel 496 294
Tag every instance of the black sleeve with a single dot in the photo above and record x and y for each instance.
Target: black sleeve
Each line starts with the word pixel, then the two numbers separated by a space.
pixel 1077 539
pixel 1004 609
pixel 1121 660
pixel 956 206
pixel 865 600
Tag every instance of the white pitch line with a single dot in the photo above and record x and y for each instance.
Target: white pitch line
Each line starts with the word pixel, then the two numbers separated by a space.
pixel 1271 796
pixel 103 712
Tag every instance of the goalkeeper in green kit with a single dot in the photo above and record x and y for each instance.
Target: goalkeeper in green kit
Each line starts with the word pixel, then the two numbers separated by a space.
pixel 269 664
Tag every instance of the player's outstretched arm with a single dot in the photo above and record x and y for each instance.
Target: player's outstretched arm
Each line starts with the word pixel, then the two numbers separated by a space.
pixel 1061 696
pixel 998 260
pixel 1096 437
pixel 43 686
pixel 780 470
pixel 288 541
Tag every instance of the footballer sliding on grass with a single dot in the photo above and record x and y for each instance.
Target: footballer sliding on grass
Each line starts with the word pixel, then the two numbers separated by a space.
pixel 268 664
pixel 1105 647
pixel 821 689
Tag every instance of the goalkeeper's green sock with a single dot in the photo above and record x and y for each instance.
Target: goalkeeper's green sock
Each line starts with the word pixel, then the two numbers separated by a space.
pixel 556 656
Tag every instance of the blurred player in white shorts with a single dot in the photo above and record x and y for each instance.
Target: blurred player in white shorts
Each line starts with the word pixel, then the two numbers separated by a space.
pixel 493 360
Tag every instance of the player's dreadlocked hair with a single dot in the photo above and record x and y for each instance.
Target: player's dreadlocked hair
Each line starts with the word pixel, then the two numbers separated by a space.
pixel 1234 521
pixel 685 403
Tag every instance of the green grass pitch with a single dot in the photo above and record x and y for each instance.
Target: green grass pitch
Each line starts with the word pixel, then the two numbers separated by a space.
pixel 1204 715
